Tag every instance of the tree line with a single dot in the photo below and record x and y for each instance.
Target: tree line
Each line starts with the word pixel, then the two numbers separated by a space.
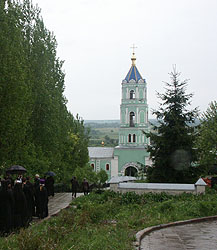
pixel 36 129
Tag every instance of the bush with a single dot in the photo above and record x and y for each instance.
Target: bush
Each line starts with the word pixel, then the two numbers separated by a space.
pixel 131 197
pixel 157 197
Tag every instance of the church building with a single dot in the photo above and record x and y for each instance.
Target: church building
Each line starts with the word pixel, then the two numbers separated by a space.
pixel 130 156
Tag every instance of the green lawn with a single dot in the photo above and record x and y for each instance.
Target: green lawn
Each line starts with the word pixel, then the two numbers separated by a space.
pixel 109 220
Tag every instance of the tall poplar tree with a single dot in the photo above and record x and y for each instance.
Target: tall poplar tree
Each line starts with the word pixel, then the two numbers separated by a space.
pixel 36 129
pixel 171 146
pixel 15 92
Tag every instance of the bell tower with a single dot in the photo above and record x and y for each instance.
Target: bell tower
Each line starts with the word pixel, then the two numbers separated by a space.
pixel 130 157
pixel 133 109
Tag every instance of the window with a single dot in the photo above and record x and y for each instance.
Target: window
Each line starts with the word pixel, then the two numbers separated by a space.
pixel 92 165
pixel 107 166
pixel 132 94
pixel 129 138
pixel 132 119
pixel 134 138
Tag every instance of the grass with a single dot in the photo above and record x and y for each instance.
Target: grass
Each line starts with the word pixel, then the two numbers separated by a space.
pixel 109 220
pixel 111 132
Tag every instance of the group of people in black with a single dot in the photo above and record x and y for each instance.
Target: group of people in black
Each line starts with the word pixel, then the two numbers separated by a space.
pixel 21 200
pixel 75 186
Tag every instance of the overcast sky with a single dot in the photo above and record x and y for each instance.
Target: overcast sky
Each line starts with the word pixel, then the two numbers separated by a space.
pixel 94 39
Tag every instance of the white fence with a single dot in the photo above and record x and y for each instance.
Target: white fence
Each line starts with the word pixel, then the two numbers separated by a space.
pixel 118 186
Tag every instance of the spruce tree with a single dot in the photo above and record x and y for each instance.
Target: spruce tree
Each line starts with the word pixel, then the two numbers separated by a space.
pixel 171 148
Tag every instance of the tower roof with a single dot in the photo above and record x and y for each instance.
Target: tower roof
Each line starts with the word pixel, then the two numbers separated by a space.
pixel 133 72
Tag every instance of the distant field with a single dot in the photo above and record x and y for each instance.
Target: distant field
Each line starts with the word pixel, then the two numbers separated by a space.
pixel 106 132
pixel 111 132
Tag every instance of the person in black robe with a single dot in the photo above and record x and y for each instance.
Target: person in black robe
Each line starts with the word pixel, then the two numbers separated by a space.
pixel 42 199
pixel 29 198
pixel 50 185
pixel 32 199
pixel 11 194
pixel 85 186
pixel 74 183
pixel 6 209
pixel 20 208
pixel 37 180
pixel 35 188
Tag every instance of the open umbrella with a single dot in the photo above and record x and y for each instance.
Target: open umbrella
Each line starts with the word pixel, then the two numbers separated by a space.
pixel 16 169
pixel 50 173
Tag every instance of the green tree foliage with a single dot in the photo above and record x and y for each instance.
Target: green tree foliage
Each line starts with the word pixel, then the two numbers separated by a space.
pixel 87 173
pixel 102 177
pixel 97 178
pixel 15 92
pixel 171 146
pixel 36 129
pixel 206 142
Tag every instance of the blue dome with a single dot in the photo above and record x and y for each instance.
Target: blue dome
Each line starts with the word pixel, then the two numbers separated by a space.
pixel 133 74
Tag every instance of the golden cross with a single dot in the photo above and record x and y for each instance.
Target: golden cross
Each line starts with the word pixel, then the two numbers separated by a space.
pixel 134 47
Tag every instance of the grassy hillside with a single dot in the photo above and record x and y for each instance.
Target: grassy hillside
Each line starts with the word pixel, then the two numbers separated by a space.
pixel 109 220
pixel 106 131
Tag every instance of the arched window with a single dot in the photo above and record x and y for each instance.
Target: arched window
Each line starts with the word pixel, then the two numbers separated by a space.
pixel 107 166
pixel 129 138
pixel 92 165
pixel 132 119
pixel 134 138
pixel 132 94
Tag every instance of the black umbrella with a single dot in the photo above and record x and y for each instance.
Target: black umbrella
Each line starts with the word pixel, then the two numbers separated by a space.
pixel 50 173
pixel 16 169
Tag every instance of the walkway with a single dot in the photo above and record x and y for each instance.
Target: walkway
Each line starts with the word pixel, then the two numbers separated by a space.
pixel 59 201
pixel 199 236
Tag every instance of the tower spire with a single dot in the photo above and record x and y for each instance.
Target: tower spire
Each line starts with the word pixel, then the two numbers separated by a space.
pixel 133 58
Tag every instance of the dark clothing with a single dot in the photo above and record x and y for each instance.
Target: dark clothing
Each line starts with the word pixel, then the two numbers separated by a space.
pixel 36 182
pixel 75 185
pixel 6 210
pixel 42 201
pixel 31 189
pixel 35 187
pixel 50 185
pixel 85 186
pixel 9 180
pixel 28 191
pixel 20 208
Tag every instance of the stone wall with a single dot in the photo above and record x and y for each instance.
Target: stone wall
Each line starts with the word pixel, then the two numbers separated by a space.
pixel 174 189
